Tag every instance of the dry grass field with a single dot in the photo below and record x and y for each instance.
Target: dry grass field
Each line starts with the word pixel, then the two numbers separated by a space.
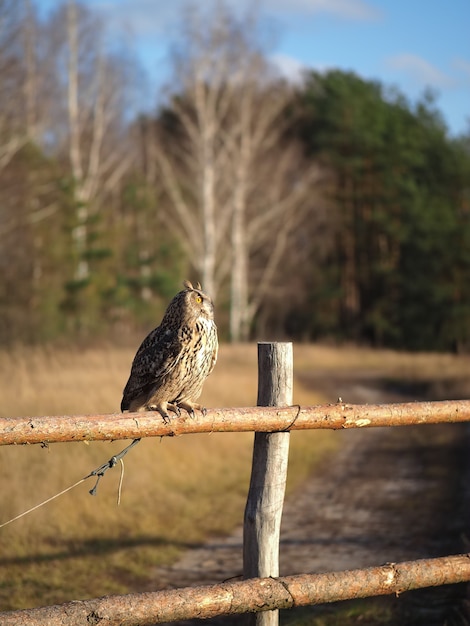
pixel 176 491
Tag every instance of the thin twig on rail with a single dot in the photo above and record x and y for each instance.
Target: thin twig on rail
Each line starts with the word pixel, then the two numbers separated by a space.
pixel 255 594
pixel 20 430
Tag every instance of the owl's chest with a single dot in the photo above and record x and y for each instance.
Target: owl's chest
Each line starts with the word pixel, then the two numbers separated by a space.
pixel 205 343
pixel 199 343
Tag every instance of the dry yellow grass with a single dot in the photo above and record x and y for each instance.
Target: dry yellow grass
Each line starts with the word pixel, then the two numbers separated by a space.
pixel 405 365
pixel 176 491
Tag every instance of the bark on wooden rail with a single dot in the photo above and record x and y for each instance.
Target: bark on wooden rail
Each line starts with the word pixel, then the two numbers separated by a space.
pixel 51 429
pixel 257 594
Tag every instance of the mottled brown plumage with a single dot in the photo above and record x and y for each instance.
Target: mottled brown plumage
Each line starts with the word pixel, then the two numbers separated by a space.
pixel 174 360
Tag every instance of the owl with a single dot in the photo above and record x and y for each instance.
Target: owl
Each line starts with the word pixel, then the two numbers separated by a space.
pixel 174 360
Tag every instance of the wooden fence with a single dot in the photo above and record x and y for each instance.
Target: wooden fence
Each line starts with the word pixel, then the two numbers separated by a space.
pixel 262 592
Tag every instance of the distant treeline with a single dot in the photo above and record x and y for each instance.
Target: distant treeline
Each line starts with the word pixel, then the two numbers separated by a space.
pixel 335 210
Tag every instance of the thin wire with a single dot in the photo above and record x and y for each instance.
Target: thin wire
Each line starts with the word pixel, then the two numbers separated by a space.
pixel 120 483
pixel 100 471
pixel 45 502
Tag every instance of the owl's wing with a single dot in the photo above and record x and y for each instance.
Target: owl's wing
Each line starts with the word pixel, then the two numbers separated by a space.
pixel 156 356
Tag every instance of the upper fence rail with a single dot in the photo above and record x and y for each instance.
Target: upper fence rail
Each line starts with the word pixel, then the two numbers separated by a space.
pixel 115 426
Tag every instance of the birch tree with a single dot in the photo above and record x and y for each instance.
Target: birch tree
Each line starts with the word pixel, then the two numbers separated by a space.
pixel 23 78
pixel 273 186
pixel 191 170
pixel 226 123
pixel 12 135
pixel 92 85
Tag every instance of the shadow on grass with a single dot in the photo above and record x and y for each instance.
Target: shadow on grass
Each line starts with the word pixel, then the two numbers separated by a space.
pixel 96 547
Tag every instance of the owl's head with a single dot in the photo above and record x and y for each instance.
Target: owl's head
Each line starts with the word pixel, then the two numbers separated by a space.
pixel 190 304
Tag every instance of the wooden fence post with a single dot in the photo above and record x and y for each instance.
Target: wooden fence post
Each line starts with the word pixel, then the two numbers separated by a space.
pixel 263 511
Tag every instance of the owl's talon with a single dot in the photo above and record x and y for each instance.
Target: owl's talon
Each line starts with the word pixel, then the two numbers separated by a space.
pixel 189 408
pixel 175 408
pixel 204 411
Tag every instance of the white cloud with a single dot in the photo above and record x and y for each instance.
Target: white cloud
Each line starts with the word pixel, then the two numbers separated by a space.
pixel 141 17
pixel 345 9
pixel 147 17
pixel 420 71
pixel 289 67
pixel 462 66
pixel 294 70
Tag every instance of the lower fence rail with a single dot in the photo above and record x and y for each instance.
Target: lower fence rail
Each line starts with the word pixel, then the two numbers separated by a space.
pixel 247 596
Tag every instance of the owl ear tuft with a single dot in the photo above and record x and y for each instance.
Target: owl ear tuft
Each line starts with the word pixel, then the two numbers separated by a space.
pixel 188 284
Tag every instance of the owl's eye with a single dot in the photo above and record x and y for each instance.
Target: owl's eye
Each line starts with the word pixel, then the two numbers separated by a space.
pixel 198 299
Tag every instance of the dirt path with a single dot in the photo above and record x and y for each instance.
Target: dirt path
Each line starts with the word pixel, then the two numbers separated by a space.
pixel 390 494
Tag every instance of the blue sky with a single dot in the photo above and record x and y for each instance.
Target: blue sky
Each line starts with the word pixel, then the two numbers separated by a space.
pixel 411 44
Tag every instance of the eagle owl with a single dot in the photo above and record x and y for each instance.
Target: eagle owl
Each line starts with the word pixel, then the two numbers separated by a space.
pixel 174 360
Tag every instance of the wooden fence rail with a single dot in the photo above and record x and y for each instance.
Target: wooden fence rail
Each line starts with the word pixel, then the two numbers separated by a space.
pixel 252 595
pixel 114 426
